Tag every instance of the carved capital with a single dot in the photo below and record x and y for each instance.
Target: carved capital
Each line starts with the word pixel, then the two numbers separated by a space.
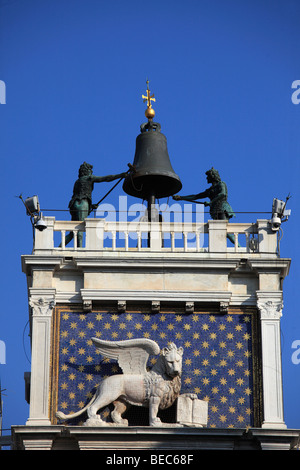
pixel 270 309
pixel 41 306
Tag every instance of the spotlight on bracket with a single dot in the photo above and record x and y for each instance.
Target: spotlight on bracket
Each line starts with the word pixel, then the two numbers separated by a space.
pixel 279 213
pixel 33 210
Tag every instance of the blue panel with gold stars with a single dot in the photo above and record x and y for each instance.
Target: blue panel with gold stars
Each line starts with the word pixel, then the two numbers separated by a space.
pixel 217 359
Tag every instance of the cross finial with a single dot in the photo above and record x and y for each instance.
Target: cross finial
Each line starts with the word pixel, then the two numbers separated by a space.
pixel 149 111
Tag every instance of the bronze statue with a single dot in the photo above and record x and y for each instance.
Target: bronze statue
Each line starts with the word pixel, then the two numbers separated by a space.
pixel 219 208
pixel 81 205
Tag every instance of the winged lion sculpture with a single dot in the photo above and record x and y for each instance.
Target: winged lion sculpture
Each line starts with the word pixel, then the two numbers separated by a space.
pixel 156 389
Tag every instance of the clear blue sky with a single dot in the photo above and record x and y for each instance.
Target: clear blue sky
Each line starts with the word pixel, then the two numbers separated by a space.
pixel 221 71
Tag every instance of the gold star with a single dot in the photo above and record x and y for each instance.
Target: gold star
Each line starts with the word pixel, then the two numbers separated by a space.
pixel 64 334
pixel 229 318
pixel 64 386
pixel 147 317
pixel 80 386
pixel 73 342
pixel 65 316
pixel 188 362
pixel 73 325
pixel 107 326
pixel 99 316
pixel 205 327
pixel 128 317
pixel 81 351
pixel 114 317
pixel 81 368
pixel 72 360
pixel 72 376
pixel 197 372
pixel 114 334
pixel 90 325
pixel 195 318
pixel 64 351
pixel 240 381
pixel 196 353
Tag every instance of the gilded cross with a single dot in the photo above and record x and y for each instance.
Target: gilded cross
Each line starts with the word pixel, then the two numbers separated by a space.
pixel 149 97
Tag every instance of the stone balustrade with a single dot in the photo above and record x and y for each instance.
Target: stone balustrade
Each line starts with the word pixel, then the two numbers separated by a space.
pixel 211 237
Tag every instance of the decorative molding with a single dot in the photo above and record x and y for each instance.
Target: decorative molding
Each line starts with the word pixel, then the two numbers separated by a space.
pixel 189 307
pixel 121 306
pixel 41 306
pixel 155 306
pixel 270 305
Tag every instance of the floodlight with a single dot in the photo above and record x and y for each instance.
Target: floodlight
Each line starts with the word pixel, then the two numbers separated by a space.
pixel 32 205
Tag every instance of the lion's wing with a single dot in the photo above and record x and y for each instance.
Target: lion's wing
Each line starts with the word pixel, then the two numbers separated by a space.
pixel 132 355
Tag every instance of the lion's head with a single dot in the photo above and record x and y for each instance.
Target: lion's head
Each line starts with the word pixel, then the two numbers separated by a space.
pixel 172 357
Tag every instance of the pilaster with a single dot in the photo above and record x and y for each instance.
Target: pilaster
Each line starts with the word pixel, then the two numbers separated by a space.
pixel 270 308
pixel 42 302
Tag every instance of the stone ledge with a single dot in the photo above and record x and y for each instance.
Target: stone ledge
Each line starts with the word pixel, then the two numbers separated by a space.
pixel 147 438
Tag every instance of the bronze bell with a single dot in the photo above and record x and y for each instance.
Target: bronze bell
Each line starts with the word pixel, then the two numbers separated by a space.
pixel 154 176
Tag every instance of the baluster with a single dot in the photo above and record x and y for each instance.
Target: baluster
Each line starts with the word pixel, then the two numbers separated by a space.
pixel 172 241
pixel 113 241
pixel 197 233
pixel 185 241
pixel 63 239
pixel 236 242
pixel 75 239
